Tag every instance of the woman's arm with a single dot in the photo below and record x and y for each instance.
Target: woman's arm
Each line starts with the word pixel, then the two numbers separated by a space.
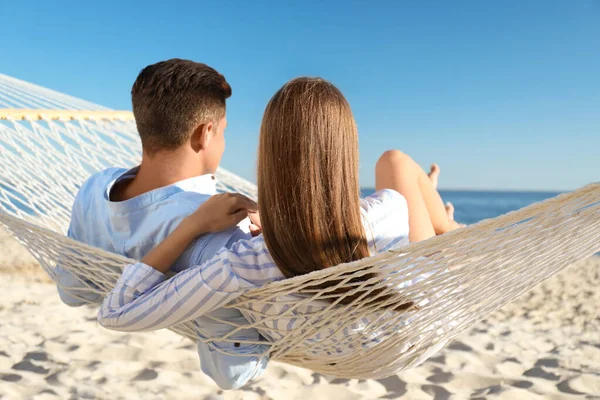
pixel 218 213
pixel 155 303
pixel 143 300
pixel 136 302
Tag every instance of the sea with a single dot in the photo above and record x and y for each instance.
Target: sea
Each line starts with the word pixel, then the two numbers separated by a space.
pixel 473 206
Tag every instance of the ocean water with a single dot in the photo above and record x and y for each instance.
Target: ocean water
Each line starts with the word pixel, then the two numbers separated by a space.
pixel 474 206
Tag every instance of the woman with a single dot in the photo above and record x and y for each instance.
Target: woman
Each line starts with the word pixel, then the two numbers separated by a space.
pixel 311 213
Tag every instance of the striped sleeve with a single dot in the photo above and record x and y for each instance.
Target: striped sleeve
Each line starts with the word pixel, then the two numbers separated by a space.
pixel 386 215
pixel 144 300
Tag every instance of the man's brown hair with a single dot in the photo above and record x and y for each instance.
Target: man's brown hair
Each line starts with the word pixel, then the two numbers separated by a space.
pixel 171 98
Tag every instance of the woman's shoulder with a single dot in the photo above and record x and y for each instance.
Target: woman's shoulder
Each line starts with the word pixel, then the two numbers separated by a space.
pixel 384 202
pixel 386 220
pixel 383 197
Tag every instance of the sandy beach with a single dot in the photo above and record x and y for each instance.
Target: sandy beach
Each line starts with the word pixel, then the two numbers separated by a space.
pixel 545 345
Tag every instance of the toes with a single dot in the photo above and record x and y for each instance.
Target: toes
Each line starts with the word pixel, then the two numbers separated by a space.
pixel 434 170
pixel 450 211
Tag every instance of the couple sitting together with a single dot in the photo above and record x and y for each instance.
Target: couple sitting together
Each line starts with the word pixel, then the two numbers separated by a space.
pixel 167 213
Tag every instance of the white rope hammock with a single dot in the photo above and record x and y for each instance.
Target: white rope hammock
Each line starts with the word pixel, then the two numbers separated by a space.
pixel 50 143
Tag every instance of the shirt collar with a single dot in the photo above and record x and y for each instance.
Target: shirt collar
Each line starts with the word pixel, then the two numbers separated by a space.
pixel 203 184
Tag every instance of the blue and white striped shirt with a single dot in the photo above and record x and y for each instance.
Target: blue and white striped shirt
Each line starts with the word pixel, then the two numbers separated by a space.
pixel 144 299
pixel 132 228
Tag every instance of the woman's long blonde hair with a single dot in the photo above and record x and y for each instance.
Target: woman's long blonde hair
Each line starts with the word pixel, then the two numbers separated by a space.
pixel 308 189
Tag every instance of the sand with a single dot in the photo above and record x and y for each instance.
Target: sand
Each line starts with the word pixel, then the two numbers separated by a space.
pixel 545 345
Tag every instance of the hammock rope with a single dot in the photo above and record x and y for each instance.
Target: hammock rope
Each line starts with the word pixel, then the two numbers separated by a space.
pixel 56 141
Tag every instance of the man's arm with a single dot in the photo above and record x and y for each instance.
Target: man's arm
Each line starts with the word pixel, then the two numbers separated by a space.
pixel 73 288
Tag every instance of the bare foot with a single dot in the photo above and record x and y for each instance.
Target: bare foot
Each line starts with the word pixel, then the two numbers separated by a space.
pixel 434 173
pixel 450 211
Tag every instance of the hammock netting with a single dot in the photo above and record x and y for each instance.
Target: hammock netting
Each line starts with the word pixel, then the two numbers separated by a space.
pixel 50 143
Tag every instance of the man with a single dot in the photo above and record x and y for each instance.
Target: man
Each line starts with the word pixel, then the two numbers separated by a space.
pixel 180 112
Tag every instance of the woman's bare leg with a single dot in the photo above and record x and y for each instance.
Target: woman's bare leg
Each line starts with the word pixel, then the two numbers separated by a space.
pixel 434 176
pixel 395 170
pixel 427 213
pixel 435 205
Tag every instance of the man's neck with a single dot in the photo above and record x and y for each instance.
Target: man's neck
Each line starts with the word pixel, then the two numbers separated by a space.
pixel 158 171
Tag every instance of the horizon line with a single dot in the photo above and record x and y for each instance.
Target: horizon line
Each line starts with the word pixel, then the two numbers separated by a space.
pixel 488 190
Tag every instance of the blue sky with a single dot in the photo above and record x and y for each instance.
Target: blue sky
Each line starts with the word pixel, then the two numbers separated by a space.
pixel 503 95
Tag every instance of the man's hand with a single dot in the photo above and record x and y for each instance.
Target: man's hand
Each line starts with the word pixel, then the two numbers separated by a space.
pixel 220 212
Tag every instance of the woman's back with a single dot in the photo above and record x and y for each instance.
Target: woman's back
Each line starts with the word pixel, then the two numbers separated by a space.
pixel 249 265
